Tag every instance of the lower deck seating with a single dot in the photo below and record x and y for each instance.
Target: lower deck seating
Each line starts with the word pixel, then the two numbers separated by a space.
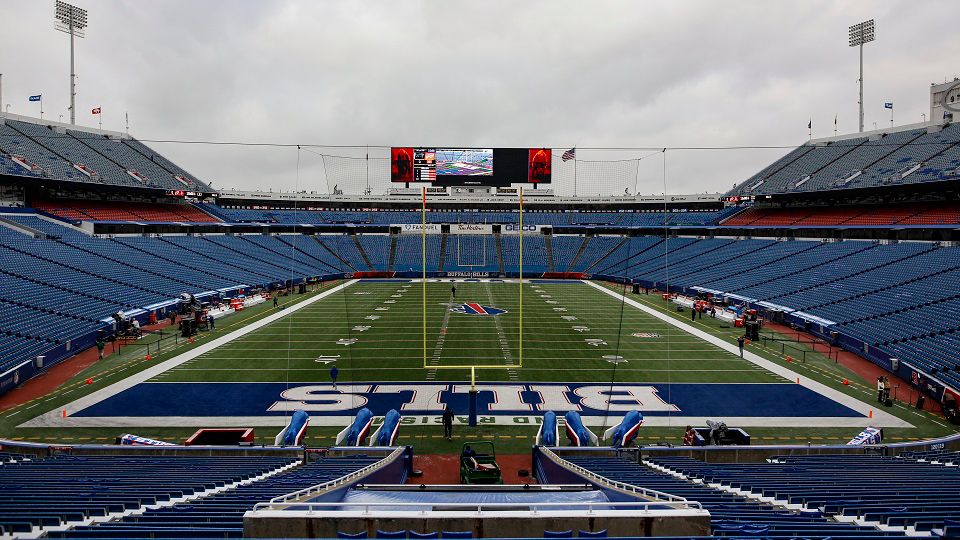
pixel 219 515
pixel 896 493
pixel 731 514
pixel 52 491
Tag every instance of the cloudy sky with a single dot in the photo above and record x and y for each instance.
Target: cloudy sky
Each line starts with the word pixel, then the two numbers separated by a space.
pixel 595 74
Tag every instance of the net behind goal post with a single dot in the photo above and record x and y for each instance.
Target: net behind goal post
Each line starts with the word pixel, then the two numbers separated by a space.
pixel 471 250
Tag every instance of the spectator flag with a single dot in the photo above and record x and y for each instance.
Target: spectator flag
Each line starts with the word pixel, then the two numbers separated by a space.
pixel 95 110
pixel 36 97
pixel 569 154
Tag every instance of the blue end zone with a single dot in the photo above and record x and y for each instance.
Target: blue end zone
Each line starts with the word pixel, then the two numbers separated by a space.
pixel 256 399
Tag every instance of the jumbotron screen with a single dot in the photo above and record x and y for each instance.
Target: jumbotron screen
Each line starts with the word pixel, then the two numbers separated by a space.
pixel 471 166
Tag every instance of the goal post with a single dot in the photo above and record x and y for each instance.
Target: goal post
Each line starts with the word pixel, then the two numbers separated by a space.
pixel 481 364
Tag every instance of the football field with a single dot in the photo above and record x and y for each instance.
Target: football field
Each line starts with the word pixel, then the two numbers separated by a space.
pixel 574 345
pixel 373 331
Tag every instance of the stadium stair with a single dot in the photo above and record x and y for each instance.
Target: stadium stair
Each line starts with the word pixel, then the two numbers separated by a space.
pixel 444 243
pixel 201 256
pixel 607 255
pixel 548 243
pixel 393 252
pixel 297 243
pixel 499 244
pixel 578 254
pixel 363 253
pixel 344 263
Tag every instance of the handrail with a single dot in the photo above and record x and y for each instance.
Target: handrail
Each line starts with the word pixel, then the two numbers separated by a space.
pixel 478 507
pixel 646 492
pixel 350 477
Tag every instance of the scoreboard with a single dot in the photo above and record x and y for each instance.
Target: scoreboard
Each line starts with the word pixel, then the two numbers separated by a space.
pixel 498 167
pixel 425 165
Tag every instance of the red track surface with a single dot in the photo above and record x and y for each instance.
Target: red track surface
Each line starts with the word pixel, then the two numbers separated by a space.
pixel 863 368
pixel 445 468
pixel 53 378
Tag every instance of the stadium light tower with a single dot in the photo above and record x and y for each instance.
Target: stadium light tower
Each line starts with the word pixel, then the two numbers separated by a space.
pixel 71 20
pixel 861 34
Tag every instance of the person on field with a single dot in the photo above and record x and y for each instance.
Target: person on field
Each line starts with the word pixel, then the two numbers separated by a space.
pixel 717 431
pixel 740 341
pixel 448 423
pixel 101 344
pixel 333 376
pixel 276 301
pixel 689 436
pixel 453 290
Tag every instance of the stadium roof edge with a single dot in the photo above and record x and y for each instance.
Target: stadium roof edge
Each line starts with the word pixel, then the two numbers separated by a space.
pixel 72 127
pixel 881 131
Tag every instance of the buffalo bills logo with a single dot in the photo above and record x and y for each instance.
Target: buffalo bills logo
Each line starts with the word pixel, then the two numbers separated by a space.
pixel 477 309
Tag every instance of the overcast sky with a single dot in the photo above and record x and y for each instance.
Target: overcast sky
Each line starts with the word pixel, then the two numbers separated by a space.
pixel 630 74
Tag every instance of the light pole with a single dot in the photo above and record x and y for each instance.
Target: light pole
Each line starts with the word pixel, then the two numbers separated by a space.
pixel 861 34
pixel 71 20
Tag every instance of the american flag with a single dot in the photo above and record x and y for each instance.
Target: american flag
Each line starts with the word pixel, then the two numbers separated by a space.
pixel 569 154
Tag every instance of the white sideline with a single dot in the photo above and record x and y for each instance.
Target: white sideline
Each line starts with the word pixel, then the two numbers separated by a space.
pixel 53 418
pixel 880 417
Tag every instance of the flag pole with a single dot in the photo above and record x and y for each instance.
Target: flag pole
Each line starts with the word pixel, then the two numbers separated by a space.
pixel 574 175
pixel 41 106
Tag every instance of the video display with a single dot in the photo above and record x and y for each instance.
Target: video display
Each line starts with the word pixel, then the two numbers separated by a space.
pixel 465 162
pixel 495 167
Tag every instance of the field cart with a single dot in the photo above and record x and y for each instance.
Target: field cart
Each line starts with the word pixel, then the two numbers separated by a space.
pixel 478 464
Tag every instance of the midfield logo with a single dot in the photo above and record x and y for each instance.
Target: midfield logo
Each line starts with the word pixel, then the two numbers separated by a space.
pixel 477 309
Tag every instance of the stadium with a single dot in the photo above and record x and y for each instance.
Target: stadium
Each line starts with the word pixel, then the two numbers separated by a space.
pixel 457 341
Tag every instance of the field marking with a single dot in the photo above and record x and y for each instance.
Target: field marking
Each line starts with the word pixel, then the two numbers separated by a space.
pixel 51 417
pixel 879 416
pixel 441 338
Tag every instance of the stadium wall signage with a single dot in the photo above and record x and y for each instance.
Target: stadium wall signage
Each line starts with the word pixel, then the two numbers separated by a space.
pixel 419 228
pixel 471 228
pixel 512 228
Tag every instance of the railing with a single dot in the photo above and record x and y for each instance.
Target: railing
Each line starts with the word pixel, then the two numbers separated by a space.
pixel 338 482
pixel 645 492
pixel 773 341
pixel 479 509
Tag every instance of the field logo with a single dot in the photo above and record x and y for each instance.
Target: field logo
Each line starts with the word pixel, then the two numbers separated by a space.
pixel 477 309
pixel 646 334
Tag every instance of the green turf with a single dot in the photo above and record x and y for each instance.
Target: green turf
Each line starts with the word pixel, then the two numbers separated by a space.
pixel 392 350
